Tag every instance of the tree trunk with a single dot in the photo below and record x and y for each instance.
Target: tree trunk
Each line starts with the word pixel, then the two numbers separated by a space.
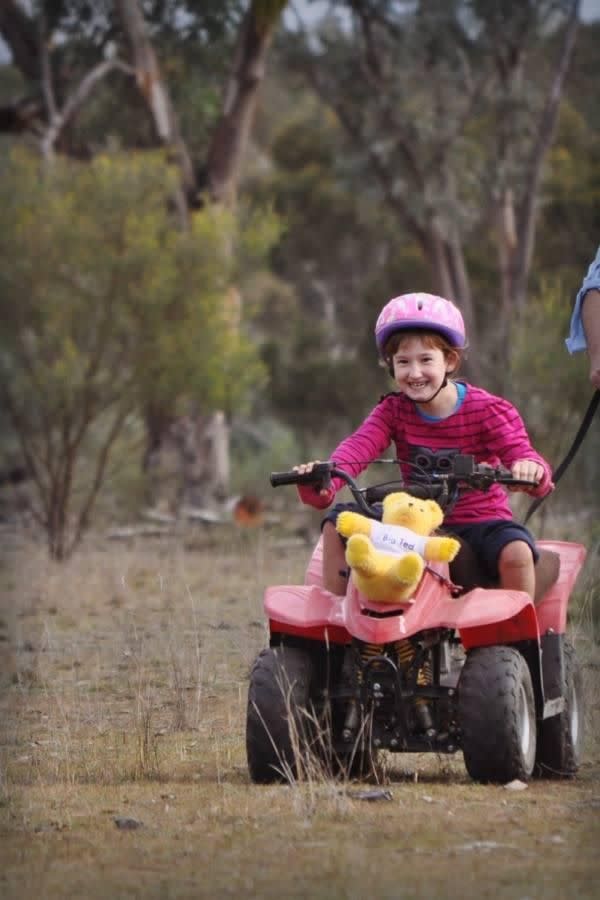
pixel 209 434
pixel 187 464
pixel 188 459
pixel 528 211
pixel 239 103
pixel 156 95
pixel 424 162
pixel 41 114
pixel 18 30
pixel 450 279
pixel 60 119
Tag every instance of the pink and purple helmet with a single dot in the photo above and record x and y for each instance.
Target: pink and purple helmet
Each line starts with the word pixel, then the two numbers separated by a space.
pixel 421 311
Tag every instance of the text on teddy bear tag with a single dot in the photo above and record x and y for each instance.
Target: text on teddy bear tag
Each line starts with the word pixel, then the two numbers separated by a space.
pixel 396 539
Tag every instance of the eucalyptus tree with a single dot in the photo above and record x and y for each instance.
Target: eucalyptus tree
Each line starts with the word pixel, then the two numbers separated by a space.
pixel 174 65
pixel 105 308
pixel 449 109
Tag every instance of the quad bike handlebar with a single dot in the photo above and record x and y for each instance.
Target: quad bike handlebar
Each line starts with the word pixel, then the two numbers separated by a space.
pixel 444 487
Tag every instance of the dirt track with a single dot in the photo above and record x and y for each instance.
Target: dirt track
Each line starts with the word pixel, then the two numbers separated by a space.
pixel 124 694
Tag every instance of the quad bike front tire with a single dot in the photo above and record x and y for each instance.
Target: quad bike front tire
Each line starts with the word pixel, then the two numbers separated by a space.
pixel 497 718
pixel 277 724
pixel 560 738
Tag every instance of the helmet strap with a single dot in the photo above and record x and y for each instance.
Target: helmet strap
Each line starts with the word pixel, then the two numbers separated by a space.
pixel 441 388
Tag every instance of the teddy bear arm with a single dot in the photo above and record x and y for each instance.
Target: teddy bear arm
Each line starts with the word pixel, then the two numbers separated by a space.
pixel 441 549
pixel 349 523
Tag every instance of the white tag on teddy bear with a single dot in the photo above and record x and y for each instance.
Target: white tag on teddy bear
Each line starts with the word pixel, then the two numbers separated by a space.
pixel 396 539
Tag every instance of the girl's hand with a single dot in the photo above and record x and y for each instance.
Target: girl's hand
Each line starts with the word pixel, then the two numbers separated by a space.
pixel 526 470
pixel 305 468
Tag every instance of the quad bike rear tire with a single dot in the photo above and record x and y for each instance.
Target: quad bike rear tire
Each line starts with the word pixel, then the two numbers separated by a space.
pixel 560 738
pixel 277 728
pixel 497 718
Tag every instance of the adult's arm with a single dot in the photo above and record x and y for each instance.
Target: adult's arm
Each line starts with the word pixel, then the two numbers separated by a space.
pixel 591 325
pixel 585 320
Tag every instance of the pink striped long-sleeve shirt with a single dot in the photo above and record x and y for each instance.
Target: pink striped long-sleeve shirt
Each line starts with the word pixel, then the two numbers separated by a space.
pixel 486 426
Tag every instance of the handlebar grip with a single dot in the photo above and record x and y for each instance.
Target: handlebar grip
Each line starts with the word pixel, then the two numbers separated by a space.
pixel 319 476
pixel 520 482
pixel 278 479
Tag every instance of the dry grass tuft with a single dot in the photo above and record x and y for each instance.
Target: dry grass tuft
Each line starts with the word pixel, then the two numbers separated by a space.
pixel 124 678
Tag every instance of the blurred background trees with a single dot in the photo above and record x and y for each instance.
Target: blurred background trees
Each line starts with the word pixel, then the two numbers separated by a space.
pixel 107 309
pixel 319 158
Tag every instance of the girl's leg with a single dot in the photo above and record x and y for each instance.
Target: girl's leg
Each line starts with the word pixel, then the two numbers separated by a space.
pixel 335 567
pixel 516 567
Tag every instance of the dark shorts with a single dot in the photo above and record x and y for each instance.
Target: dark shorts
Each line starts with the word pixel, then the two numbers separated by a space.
pixel 487 539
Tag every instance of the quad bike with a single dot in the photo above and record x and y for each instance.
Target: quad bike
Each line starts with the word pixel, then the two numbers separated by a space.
pixel 461 666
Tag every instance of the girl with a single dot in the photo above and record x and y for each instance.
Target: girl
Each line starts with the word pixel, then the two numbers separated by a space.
pixel 421 339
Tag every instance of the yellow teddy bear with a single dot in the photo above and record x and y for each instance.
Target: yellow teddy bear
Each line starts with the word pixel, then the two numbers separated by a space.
pixel 387 558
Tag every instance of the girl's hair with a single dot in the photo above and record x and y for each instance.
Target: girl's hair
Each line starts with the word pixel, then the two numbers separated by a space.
pixel 429 338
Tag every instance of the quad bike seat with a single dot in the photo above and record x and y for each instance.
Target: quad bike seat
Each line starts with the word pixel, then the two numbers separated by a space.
pixel 467 572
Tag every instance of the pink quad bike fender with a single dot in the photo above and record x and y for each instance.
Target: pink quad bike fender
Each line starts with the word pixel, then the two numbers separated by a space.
pixel 552 608
pixel 497 616
pixel 482 616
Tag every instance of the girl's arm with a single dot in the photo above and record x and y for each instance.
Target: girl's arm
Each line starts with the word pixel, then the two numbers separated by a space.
pixel 508 438
pixel 355 453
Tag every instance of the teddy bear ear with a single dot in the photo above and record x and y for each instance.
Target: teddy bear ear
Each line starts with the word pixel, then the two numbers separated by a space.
pixel 395 497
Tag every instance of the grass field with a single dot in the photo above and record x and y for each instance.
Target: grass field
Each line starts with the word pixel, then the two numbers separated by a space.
pixel 122 762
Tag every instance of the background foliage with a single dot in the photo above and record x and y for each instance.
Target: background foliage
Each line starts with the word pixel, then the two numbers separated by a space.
pixel 116 309
pixel 267 311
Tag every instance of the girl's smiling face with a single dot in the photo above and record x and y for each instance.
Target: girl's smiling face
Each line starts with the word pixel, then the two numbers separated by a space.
pixel 419 368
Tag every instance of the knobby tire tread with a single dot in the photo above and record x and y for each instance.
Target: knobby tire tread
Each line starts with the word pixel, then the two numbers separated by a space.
pixel 559 751
pixel 489 690
pixel 279 686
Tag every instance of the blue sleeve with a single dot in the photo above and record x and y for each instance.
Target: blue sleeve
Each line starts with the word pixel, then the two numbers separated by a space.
pixel 576 340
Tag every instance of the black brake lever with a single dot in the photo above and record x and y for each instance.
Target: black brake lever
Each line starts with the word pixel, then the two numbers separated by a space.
pixel 483 480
